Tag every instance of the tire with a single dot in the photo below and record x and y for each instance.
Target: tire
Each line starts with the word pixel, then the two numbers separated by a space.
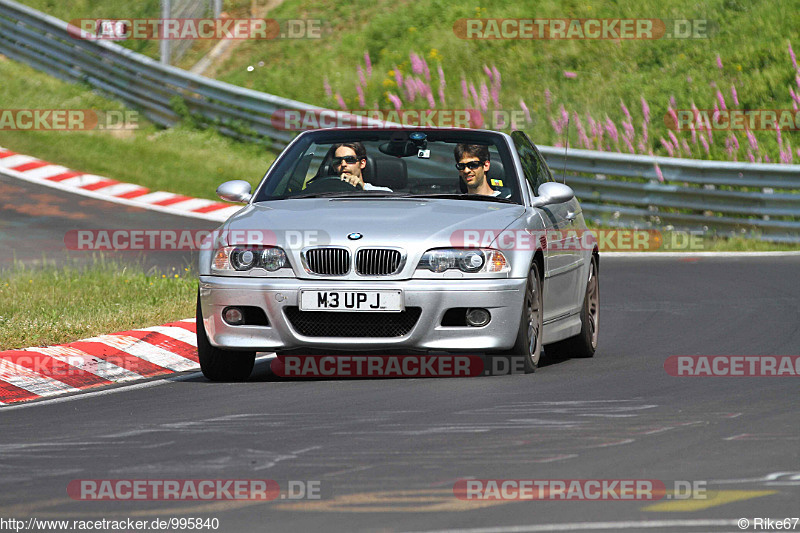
pixel 528 344
pixel 218 364
pixel 583 344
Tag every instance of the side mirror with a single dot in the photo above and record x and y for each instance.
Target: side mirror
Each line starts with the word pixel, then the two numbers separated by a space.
pixel 553 193
pixel 235 191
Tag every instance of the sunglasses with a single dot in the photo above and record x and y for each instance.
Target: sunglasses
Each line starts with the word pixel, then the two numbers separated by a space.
pixel 349 159
pixel 472 165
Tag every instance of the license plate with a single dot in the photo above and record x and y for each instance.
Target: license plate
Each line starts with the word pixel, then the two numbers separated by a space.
pixel 351 301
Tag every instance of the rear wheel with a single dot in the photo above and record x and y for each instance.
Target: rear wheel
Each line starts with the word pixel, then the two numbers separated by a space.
pixel 528 345
pixel 218 364
pixel 584 343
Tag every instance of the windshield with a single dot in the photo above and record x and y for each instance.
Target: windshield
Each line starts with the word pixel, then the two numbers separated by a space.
pixel 424 163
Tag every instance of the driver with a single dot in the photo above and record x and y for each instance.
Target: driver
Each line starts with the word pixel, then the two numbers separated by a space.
pixel 472 162
pixel 349 160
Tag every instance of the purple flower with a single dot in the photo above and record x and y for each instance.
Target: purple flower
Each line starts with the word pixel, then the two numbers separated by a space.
pixel 674 140
pixel 570 74
pixel 474 93
pixel 779 136
pixel 425 69
pixel 341 102
pixel 686 147
pixel 644 132
pixel 694 133
pixel 704 142
pixel 548 99
pixel 751 157
pixel 734 95
pixel 688 79
pixel 734 141
pixel 525 110
pixel 395 101
pixel 441 95
pixel 488 72
pixel 411 89
pixel 326 84
pixel 667 146
pixel 362 104
pixel 495 96
pixel 791 54
pixel 416 63
pixel 628 145
pixel 721 100
pixel 484 96
pixel 625 110
pixel 752 140
pixel 368 63
pixel 611 128
pixel 398 78
pixel 659 175
pixel 719 62
pixel 498 79
pixel 671 101
pixel 431 101
pixel 361 79
pixel 646 109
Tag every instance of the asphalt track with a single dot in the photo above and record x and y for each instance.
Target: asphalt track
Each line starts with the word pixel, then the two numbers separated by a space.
pixel 34 220
pixel 386 453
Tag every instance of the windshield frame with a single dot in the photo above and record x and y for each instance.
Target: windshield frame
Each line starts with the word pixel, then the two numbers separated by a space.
pixel 297 148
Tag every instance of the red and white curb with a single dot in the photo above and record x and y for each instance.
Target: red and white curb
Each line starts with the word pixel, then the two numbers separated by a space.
pixel 35 373
pixel 37 171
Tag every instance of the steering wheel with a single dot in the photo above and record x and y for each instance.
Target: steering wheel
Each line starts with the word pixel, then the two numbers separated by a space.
pixel 329 184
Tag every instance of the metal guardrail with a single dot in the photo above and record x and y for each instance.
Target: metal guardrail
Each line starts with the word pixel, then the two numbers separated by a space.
pixel 618 189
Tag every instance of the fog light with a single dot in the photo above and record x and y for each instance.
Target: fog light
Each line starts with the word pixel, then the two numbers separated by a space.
pixel 478 317
pixel 233 316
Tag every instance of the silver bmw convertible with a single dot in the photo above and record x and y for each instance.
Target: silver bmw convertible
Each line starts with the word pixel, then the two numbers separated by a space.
pixel 415 240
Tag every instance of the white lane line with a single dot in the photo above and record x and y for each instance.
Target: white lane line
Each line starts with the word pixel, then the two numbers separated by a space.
pixel 591 526
pixel 144 350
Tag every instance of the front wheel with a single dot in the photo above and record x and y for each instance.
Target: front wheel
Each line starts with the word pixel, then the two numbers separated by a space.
pixel 218 364
pixel 528 345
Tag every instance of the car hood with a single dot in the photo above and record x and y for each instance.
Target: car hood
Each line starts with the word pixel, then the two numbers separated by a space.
pixel 404 222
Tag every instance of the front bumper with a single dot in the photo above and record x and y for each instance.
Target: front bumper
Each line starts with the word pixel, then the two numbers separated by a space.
pixel 502 297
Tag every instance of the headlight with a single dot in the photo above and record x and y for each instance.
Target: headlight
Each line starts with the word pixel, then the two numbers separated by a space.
pixel 466 260
pixel 243 258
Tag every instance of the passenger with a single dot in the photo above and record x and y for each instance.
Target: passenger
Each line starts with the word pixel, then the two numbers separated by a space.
pixel 349 161
pixel 472 162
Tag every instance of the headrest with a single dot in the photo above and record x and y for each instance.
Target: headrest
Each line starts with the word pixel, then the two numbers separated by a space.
pixel 386 172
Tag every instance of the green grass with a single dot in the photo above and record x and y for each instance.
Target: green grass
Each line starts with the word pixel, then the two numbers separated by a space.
pixel 752 42
pixel 43 306
pixel 180 160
